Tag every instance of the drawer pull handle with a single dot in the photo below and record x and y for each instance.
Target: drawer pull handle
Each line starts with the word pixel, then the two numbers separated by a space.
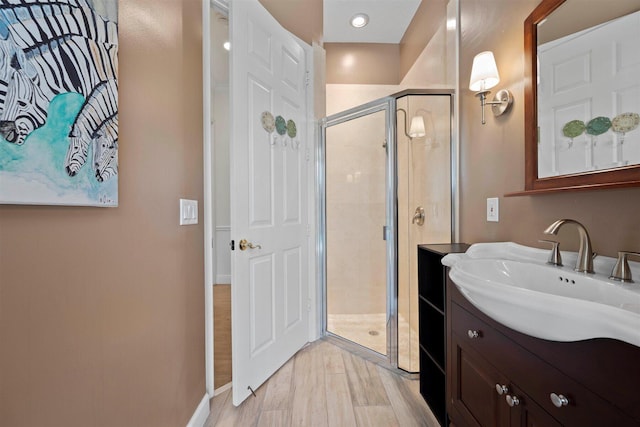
pixel 473 334
pixel 502 389
pixel 512 400
pixel 558 400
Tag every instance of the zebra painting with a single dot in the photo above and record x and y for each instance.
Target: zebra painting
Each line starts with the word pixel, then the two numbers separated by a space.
pixel 95 125
pixel 73 18
pixel 105 149
pixel 73 64
pixel 51 48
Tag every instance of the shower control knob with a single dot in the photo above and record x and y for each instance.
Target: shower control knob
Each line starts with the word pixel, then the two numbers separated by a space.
pixel 473 334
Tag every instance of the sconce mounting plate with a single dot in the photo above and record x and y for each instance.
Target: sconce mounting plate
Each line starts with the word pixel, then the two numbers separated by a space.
pixel 501 103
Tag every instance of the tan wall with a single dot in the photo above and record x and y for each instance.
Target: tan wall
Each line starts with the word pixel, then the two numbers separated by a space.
pixel 433 69
pixel 303 18
pixel 424 25
pixel 101 310
pixel 362 63
pixel 492 156
pixel 390 64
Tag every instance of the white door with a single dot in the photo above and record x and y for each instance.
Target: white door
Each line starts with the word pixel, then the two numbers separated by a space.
pixel 268 196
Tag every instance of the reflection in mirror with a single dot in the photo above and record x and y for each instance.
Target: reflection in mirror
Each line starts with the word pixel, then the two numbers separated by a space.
pixel 577 135
pixel 588 87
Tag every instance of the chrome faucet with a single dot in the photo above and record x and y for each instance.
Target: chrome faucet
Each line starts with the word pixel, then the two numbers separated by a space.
pixel 584 264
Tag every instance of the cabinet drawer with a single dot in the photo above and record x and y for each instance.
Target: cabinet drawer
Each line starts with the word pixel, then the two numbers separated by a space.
pixel 477 334
pixel 536 377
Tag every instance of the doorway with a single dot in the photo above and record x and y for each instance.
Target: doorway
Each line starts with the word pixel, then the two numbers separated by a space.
pixel 386 187
pixel 221 229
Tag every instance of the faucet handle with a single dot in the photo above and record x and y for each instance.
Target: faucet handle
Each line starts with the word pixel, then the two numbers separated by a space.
pixel 554 256
pixel 621 270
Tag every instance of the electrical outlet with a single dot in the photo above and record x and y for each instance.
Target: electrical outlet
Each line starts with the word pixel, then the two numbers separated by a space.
pixel 493 209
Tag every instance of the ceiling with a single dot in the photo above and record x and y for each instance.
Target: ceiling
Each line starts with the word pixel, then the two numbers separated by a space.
pixel 381 53
pixel 388 20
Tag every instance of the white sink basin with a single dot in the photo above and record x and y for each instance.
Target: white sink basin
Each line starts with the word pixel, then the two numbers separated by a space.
pixel 513 285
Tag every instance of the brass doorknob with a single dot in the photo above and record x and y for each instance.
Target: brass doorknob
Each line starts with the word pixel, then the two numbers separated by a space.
pixel 244 244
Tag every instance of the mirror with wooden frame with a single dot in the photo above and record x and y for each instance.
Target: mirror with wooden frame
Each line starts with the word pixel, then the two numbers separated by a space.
pixel 582 107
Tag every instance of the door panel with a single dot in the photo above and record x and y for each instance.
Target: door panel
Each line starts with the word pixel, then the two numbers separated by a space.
pixel 260 159
pixel 293 279
pixel 292 176
pixel 268 198
pixel 262 300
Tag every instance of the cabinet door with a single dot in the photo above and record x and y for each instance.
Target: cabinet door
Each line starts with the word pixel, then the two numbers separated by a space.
pixel 525 412
pixel 476 400
pixel 473 389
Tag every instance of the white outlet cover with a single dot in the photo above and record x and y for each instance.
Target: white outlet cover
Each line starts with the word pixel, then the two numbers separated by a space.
pixel 188 212
pixel 493 209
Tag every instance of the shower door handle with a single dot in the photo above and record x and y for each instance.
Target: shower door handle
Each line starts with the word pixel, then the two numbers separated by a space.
pixel 418 216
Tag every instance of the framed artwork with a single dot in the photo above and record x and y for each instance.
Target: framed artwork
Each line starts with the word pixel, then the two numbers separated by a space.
pixel 59 102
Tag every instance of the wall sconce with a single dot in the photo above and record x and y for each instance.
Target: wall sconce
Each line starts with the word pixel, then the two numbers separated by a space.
pixel 416 130
pixel 484 76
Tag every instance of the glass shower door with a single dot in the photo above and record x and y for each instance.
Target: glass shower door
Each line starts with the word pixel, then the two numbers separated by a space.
pixel 356 212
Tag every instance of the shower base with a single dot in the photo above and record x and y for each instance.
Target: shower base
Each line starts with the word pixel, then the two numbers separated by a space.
pixel 369 330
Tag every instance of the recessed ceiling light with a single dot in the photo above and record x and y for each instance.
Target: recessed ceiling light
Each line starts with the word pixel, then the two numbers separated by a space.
pixel 359 20
pixel 226 45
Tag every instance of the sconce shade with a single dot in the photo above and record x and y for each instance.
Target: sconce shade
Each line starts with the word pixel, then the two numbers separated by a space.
pixel 416 130
pixel 484 72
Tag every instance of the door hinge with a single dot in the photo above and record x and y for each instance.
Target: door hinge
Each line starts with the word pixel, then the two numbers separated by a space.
pixel 309 305
pixel 307 79
pixel 232 244
pixel 307 154
pixel 308 230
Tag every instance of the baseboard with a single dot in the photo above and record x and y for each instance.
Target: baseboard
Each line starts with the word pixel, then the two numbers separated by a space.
pixel 222 389
pixel 201 414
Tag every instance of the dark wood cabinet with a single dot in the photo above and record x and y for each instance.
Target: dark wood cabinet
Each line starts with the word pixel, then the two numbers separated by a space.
pixel 527 413
pixel 432 324
pixel 499 377
pixel 475 395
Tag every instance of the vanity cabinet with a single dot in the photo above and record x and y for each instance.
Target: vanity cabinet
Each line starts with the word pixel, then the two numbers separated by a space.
pixel 499 377
pixel 432 324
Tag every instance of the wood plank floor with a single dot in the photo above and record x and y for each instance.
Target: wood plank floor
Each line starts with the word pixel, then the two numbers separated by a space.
pixel 323 385
pixel 221 335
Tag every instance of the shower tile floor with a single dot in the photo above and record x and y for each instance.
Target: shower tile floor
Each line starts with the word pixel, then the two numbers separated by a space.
pixel 369 330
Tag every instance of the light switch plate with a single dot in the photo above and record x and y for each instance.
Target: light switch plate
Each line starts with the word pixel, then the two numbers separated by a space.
pixel 493 209
pixel 188 212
